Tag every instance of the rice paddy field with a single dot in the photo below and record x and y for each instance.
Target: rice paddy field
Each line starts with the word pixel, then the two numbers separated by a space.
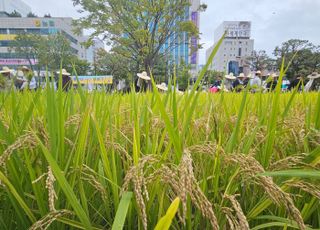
pixel 83 160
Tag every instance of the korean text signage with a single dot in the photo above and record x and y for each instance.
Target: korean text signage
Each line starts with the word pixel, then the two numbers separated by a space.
pixel 238 29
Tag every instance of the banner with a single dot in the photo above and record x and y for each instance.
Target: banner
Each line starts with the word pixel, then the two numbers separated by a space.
pixel 95 80
pixel 17 62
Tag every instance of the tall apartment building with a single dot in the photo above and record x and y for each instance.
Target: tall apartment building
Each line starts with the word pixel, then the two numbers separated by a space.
pixel 184 51
pixel 235 48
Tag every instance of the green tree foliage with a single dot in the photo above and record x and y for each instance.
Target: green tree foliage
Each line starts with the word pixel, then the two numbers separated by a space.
pixel 82 67
pixel 50 51
pixel 15 14
pixel 27 46
pixel 259 60
pixel 307 57
pixel 212 75
pixel 32 15
pixel 183 76
pixel 137 29
pixel 111 63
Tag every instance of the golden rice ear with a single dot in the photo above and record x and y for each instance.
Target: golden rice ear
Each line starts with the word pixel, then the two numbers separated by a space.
pixel 47 220
pixel 243 223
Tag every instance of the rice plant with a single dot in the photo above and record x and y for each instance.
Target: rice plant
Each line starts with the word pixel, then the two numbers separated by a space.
pixel 82 160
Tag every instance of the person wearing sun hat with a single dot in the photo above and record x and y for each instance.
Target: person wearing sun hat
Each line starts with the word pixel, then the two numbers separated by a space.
pixel 66 80
pixel 237 85
pixel 298 81
pixel 229 78
pixel 6 80
pixel 256 82
pixel 143 82
pixel 28 74
pixel 313 83
pixel 162 87
pixel 272 82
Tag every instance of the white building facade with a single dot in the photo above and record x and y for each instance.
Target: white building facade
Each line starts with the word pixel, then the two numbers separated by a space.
pixel 235 49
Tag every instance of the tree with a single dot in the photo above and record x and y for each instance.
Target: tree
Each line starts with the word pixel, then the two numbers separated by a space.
pixel 31 15
pixel 306 60
pixel 27 47
pixel 47 16
pixel 183 76
pixel 212 75
pixel 42 51
pixel 137 30
pixel 15 14
pixel 82 67
pixel 110 63
pixel 259 60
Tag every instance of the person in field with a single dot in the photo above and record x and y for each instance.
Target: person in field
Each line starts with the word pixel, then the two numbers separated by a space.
pixel 6 80
pixel 238 84
pixel 228 81
pixel 143 82
pixel 256 82
pixel 297 82
pixel 313 83
pixel 66 80
pixel 162 87
pixel 271 82
pixel 20 82
pixel 28 74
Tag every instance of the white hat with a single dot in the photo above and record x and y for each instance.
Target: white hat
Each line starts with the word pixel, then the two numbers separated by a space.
pixel 241 75
pixel 25 68
pixel 144 76
pixel 230 76
pixel 274 75
pixel 258 72
pixel 162 86
pixel 314 75
pixel 250 76
pixel 64 72
pixel 6 69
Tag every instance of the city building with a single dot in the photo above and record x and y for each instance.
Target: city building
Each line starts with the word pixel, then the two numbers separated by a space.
pixel 235 48
pixel 186 49
pixel 10 27
pixel 9 6
pixel 91 52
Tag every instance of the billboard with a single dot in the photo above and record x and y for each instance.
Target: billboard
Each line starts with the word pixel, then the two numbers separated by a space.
pixel 240 29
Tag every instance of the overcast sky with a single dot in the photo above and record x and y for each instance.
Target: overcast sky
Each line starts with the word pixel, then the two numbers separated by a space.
pixel 273 21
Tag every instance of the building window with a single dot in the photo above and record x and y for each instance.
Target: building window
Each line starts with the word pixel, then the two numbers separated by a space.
pixel 3 31
pixel 239 52
pixel 34 31
pixel 16 31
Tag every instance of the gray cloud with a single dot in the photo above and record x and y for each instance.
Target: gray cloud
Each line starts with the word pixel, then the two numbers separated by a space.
pixel 273 21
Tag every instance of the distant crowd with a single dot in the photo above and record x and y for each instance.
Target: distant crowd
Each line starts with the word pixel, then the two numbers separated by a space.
pixel 268 83
pixel 24 79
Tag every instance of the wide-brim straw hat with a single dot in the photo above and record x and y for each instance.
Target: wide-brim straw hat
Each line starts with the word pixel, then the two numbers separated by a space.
pixel 64 72
pixel 241 75
pixel 274 75
pixel 230 77
pixel 314 75
pixel 259 72
pixel 162 86
pixel 250 76
pixel 144 76
pixel 25 68
pixel 6 69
